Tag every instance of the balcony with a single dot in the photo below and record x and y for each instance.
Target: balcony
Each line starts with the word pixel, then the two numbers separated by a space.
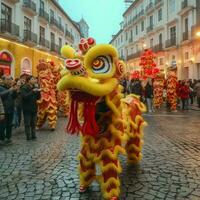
pixel 61 28
pixel 150 28
pixel 43 16
pixel 185 36
pixel 9 29
pixel 130 40
pixel 69 35
pixel 13 1
pixel 158 2
pixel 44 43
pixel 54 23
pixel 157 48
pixel 30 38
pixel 184 4
pixel 149 7
pixel 55 48
pixel 170 43
pixel 185 7
pixel 134 55
pixel 29 7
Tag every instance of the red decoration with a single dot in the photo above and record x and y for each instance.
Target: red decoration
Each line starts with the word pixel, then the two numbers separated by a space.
pixel 148 64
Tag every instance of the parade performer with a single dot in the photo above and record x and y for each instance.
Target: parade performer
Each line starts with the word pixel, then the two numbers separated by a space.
pixel 110 124
pixel 158 89
pixel 171 84
pixel 47 105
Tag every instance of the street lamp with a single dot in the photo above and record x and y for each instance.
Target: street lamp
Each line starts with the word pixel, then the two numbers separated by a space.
pixel 198 34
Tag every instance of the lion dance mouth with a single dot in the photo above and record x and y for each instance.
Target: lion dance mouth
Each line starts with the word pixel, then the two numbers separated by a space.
pixel 89 126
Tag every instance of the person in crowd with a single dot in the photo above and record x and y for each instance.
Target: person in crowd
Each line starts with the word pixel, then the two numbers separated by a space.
pixel 184 95
pixel 178 87
pixel 197 92
pixel 8 93
pixel 30 94
pixel 149 95
pixel 191 94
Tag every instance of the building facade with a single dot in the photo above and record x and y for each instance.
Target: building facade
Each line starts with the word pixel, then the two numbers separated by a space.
pixel 31 30
pixel 169 28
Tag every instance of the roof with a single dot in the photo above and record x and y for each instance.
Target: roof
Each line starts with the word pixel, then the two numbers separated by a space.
pixel 131 6
pixel 115 36
pixel 64 13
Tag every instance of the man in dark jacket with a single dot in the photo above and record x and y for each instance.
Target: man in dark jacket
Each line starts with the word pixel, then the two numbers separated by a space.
pixel 8 93
pixel 30 94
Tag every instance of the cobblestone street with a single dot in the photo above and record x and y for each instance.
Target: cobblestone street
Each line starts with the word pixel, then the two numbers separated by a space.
pixel 47 168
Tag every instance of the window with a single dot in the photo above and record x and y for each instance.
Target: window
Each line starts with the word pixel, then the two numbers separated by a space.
pixel 41 5
pixel 60 42
pixel 161 61
pixel 27 24
pixel 142 26
pixel 186 24
pixel 6 13
pixel 59 20
pixel 52 14
pixel 6 17
pixel 151 20
pixel 160 15
pixel 186 55
pixel 173 33
pixel 126 36
pixel 136 30
pixel 151 43
pixel 131 35
pixel 42 32
pixel 121 38
pixel 160 39
pixel 52 38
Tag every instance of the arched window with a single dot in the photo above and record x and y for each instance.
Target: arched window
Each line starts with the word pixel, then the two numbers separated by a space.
pixel 5 62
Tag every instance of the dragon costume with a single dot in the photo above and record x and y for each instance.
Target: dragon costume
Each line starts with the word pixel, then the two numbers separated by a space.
pixel 158 88
pixel 110 124
pixel 47 105
pixel 171 85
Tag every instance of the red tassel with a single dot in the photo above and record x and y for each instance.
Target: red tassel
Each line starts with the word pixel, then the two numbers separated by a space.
pixel 73 125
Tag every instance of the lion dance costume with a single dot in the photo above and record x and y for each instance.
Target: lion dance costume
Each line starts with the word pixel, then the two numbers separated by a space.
pixel 110 124
pixel 158 88
pixel 171 85
pixel 47 105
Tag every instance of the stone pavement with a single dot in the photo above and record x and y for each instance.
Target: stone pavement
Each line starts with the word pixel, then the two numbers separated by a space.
pixel 47 168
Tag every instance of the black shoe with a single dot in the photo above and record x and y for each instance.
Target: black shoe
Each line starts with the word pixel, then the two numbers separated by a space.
pixel 34 138
pixel 8 141
pixel 28 138
pixel 52 129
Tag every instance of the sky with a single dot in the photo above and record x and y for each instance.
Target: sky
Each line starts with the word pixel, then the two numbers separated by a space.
pixel 102 16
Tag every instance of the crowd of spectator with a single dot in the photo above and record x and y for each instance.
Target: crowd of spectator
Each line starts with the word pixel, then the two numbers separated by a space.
pixel 18 98
pixel 188 92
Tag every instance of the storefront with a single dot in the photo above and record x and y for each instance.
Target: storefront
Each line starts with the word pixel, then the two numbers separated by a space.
pixel 17 59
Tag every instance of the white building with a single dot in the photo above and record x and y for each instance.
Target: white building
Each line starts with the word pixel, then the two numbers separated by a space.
pixel 38 24
pixel 169 28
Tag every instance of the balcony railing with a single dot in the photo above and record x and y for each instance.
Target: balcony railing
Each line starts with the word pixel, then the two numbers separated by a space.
pixel 55 48
pixel 150 28
pixel 134 55
pixel 61 27
pixel 29 4
pixel 158 47
pixel 170 43
pixel 54 21
pixel 44 14
pixel 149 6
pixel 7 26
pixel 157 2
pixel 185 36
pixel 68 34
pixel 30 36
pixel 43 42
pixel 184 4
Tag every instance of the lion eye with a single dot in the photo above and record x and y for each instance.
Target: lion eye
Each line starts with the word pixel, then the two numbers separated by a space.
pixel 102 64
